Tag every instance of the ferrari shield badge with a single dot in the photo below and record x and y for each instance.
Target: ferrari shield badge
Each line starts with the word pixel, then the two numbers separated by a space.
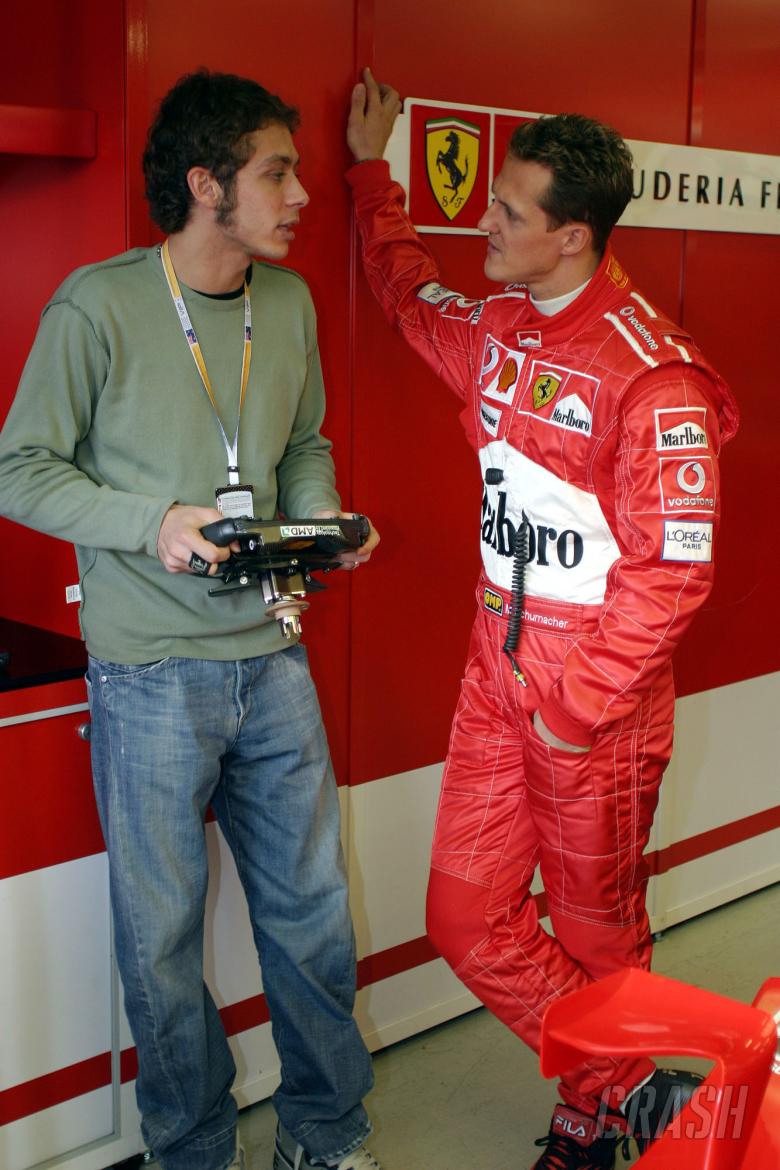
pixel 544 390
pixel 452 157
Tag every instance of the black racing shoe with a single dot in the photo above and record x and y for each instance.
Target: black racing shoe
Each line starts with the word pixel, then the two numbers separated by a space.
pixel 576 1142
pixel 654 1105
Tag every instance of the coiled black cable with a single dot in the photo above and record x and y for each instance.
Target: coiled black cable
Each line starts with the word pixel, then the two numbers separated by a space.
pixel 519 561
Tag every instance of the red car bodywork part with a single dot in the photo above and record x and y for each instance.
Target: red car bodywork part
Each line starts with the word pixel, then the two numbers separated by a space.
pixel 733 1119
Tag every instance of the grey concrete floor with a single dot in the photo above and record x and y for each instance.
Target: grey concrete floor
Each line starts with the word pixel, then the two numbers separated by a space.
pixel 468 1095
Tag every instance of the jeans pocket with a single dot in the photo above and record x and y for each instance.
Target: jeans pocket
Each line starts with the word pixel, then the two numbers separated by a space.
pixel 110 670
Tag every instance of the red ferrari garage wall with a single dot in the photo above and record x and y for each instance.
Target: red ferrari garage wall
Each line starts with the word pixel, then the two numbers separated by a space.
pixel 730 304
pixel 57 211
pixel 388 644
pixel 699 72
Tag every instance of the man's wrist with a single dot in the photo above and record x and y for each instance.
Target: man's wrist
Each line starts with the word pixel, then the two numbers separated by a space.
pixel 552 740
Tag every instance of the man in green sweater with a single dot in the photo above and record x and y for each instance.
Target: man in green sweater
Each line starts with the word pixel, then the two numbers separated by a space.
pixel 159 378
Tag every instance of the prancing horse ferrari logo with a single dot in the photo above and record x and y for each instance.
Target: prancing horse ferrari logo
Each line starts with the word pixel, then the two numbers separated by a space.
pixel 545 389
pixel 452 158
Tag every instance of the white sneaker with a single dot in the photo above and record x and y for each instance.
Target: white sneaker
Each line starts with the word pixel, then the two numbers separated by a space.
pixel 288 1155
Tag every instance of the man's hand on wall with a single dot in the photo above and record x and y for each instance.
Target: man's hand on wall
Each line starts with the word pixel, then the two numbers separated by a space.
pixel 371 118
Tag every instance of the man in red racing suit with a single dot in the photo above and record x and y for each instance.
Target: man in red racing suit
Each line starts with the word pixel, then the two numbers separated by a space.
pixel 598 424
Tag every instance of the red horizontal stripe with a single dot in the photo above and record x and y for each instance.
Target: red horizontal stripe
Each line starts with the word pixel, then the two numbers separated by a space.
pixel 247 1013
pixel 77 1079
pixel 55 1087
pixel 65 1084
pixel 713 840
pixel 128 1065
pixel 404 957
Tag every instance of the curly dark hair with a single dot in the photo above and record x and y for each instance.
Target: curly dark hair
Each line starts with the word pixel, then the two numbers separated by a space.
pixel 592 177
pixel 205 121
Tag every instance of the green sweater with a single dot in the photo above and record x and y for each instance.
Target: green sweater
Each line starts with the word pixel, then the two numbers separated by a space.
pixel 111 425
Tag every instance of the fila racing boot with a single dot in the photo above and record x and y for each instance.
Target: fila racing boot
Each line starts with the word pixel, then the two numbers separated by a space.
pixel 577 1142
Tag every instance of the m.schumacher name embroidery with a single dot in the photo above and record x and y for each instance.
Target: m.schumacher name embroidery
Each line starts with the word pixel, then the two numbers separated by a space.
pixel 681 427
pixel 687 484
pixel 687 540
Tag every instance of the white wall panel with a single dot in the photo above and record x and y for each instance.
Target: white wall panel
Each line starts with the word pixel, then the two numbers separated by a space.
pixel 726 766
pixel 55 994
pixel 70 1126
pixel 55 1001
pixel 409 1002
pixel 390 832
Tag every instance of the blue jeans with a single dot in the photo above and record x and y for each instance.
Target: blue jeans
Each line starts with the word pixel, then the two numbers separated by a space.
pixel 170 738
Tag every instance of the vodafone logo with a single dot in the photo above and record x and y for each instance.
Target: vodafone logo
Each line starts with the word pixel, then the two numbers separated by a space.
pixel 691 477
pixel 687 485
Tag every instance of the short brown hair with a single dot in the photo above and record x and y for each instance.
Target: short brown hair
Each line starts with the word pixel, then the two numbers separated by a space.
pixel 591 166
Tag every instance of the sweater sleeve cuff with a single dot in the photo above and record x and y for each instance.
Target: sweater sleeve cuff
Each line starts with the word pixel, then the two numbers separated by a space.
pixel 368 175
pixel 562 725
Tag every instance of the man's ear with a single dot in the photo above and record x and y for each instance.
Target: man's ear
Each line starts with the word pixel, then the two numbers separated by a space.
pixel 204 187
pixel 577 238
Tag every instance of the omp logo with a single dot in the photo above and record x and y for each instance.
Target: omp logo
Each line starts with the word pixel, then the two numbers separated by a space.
pixel 494 602
pixel 681 427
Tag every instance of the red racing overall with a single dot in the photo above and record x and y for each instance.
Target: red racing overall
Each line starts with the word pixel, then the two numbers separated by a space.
pixel 600 428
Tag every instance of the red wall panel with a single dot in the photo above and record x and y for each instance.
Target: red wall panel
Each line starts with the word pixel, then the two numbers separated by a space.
pixel 307 57
pixel 388 643
pixel 606 62
pixel 56 214
pixel 730 305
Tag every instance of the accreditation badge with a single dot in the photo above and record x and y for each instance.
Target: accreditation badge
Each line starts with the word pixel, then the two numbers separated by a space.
pixel 236 500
